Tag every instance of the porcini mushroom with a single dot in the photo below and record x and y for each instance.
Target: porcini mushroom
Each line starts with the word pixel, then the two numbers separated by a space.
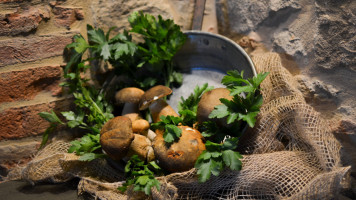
pixel 130 97
pixel 116 137
pixel 152 99
pixel 207 103
pixel 179 156
pixel 140 146
pixel 140 126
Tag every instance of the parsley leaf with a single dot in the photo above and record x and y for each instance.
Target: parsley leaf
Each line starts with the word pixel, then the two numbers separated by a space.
pixel 162 39
pixel 169 125
pixel 86 147
pixel 187 108
pixel 246 101
pixel 141 175
pixel 216 157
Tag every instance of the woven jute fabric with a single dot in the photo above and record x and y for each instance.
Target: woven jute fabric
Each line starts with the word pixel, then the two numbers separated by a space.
pixel 290 154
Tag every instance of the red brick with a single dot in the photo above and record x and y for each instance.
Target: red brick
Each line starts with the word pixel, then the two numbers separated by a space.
pixel 6 1
pixel 24 121
pixel 22 21
pixel 32 48
pixel 26 84
pixel 64 16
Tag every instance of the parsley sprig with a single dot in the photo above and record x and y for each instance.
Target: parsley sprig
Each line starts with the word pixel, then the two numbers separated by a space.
pixel 216 157
pixel 169 125
pixel 222 141
pixel 246 101
pixel 187 108
pixel 163 38
pixel 141 175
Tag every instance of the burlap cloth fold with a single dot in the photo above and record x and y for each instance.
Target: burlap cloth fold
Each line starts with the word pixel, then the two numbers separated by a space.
pixel 290 154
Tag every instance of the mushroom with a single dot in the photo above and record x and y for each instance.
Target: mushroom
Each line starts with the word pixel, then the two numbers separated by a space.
pixel 130 97
pixel 140 126
pixel 116 137
pixel 207 103
pixel 133 116
pixel 179 156
pixel 152 99
pixel 118 140
pixel 141 146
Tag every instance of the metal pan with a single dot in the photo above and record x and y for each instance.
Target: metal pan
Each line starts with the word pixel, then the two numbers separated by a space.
pixel 205 58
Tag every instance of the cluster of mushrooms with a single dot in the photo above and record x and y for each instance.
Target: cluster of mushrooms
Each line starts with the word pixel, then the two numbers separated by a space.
pixel 129 134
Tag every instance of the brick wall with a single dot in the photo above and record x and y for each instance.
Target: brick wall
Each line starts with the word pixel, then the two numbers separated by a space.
pixel 33 35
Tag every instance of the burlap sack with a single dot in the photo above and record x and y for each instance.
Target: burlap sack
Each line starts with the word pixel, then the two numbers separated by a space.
pixel 290 154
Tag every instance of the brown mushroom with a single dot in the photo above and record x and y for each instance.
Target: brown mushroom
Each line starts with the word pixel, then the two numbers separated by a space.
pixel 179 156
pixel 133 116
pixel 130 97
pixel 207 103
pixel 116 137
pixel 140 146
pixel 140 126
pixel 152 99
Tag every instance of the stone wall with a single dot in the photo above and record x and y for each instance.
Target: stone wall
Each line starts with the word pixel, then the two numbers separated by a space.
pixel 315 38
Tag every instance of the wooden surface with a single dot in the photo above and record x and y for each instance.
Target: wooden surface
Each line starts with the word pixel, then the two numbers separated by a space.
pixel 198 14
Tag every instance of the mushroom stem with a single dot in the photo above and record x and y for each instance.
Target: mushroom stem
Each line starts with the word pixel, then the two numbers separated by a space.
pixel 129 108
pixel 161 108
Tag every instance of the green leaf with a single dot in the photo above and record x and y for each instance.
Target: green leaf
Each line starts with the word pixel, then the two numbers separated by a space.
pixel 75 146
pixel 105 51
pixel 50 117
pixel 96 36
pixel 140 176
pixel 188 117
pixel 220 111
pixel 89 156
pixel 204 171
pixel 109 31
pixel 250 118
pixel 177 77
pixel 230 143
pixel 80 44
pixel 256 81
pixel 73 124
pixel 69 115
pixel 142 180
pixel 232 159
pixel 232 117
pixel 172 132
pixel 239 89
pixel 45 135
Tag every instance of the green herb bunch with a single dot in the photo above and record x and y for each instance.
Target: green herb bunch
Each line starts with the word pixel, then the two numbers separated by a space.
pixel 222 141
pixel 162 40
pixel 187 108
pixel 246 101
pixel 145 64
pixel 91 113
pixel 141 175
pixel 188 112
pixel 169 124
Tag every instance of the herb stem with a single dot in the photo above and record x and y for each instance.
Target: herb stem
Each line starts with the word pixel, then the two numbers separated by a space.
pixel 86 94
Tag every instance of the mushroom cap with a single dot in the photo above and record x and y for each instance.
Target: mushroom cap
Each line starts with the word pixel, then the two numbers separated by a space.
pixel 208 101
pixel 161 108
pixel 116 137
pixel 179 156
pixel 128 95
pixel 140 126
pixel 152 95
pixel 133 116
pixel 139 146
